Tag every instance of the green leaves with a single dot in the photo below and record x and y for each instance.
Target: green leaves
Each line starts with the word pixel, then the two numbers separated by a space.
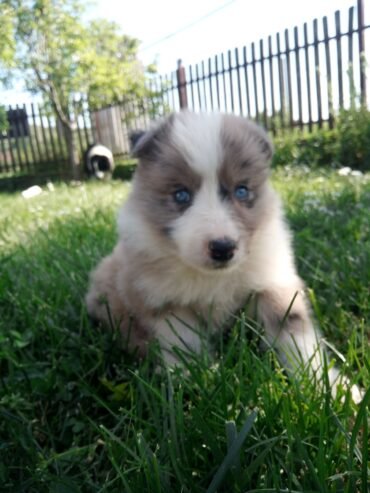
pixel 111 66
pixel 61 56
pixel 7 40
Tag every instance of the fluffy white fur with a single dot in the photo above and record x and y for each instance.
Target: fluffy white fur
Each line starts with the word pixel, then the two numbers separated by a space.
pixel 164 285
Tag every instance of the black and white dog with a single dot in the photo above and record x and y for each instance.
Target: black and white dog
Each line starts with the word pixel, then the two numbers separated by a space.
pixel 202 231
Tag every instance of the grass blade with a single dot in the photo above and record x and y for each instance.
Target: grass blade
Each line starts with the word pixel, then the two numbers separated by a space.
pixel 232 454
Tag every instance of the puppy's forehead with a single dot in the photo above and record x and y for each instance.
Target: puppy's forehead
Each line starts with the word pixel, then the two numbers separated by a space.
pixel 208 142
pixel 198 138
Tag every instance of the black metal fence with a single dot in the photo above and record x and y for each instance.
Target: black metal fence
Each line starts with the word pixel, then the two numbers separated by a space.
pixel 34 141
pixel 299 79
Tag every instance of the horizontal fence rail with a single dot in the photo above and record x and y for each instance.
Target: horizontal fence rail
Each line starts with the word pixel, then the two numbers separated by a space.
pixel 299 79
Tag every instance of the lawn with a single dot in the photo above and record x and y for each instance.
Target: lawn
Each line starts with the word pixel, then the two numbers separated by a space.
pixel 77 414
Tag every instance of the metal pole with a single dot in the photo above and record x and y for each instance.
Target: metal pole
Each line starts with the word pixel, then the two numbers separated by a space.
pixel 361 42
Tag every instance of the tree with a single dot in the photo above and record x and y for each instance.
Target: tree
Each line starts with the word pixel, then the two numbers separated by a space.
pixel 62 57
pixel 7 42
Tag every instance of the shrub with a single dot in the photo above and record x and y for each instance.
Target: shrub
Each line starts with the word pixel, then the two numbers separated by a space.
pixel 316 149
pixel 348 144
pixel 353 138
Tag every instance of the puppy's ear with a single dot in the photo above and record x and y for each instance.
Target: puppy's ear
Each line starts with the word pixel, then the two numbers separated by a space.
pixel 264 142
pixel 135 137
pixel 147 145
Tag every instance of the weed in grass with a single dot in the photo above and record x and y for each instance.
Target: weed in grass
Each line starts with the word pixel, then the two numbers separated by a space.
pixel 80 415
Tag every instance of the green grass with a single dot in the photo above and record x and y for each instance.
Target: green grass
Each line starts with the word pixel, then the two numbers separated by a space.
pixel 77 414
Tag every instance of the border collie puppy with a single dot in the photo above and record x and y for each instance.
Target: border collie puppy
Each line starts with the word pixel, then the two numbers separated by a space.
pixel 201 233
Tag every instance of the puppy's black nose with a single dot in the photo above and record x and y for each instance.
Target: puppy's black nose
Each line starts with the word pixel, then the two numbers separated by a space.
pixel 222 249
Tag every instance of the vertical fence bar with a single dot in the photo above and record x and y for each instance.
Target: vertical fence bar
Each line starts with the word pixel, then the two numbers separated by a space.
pixel 224 78
pixel 245 63
pixel 24 145
pixel 238 81
pixel 16 141
pixel 151 100
pixel 92 120
pixel 281 82
pixel 32 149
pixel 79 134
pixel 289 78
pixel 308 79
pixel 217 83
pixel 4 167
pixel 36 132
pixel 60 138
pixel 339 57
pixel 198 88
pixel 161 92
pixel 159 108
pixel 328 72
pixel 264 98
pixel 167 89
pixel 130 116
pixel 126 140
pixel 192 87
pixel 146 110
pixel 11 152
pixel 52 143
pixel 43 133
pixel 87 136
pixel 204 85
pixel 172 93
pixel 173 90
pixel 210 82
pixel 361 42
pixel 257 116
pixel 154 100
pixel 352 88
pixel 136 112
pixel 317 71
pixel 21 138
pixel 230 70
pixel 272 90
pixel 299 82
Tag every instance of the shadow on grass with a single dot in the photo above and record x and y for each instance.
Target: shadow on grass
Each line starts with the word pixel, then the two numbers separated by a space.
pixel 123 170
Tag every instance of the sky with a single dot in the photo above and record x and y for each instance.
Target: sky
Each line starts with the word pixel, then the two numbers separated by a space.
pixel 193 30
pixel 196 29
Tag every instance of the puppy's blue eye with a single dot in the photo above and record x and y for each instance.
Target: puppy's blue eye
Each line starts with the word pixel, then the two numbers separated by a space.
pixel 242 193
pixel 182 196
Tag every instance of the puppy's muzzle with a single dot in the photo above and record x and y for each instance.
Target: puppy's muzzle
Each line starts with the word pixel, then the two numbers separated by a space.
pixel 222 249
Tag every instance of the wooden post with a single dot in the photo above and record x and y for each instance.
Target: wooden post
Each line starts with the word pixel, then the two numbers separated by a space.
pixel 361 41
pixel 181 85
